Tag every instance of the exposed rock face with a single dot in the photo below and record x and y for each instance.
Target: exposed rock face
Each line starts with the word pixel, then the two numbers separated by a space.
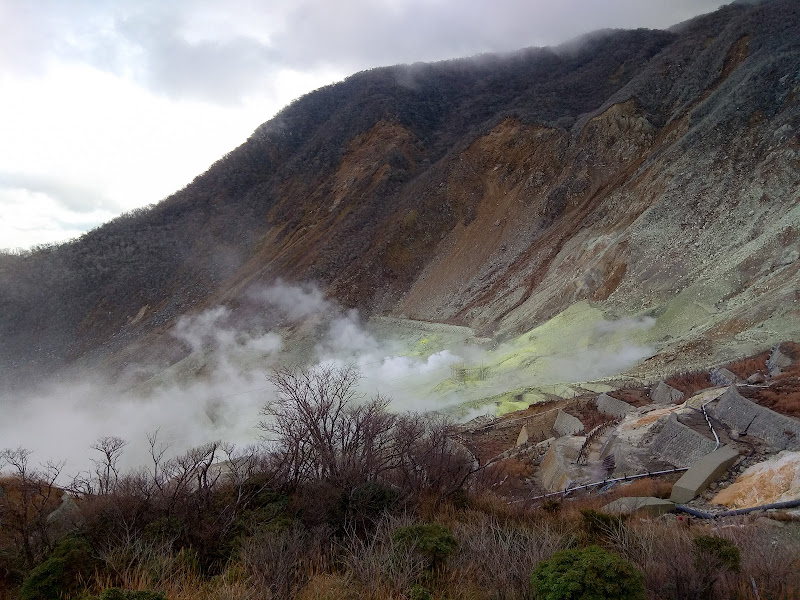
pixel 774 480
pixel 745 416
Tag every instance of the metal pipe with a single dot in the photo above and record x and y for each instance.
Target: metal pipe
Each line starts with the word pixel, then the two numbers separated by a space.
pixel 739 511
pixel 605 482
pixel 708 420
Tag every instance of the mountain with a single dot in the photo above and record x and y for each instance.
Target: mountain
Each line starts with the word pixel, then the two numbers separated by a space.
pixel 649 173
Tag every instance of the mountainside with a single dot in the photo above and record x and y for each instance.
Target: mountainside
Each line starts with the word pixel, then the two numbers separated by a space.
pixel 648 172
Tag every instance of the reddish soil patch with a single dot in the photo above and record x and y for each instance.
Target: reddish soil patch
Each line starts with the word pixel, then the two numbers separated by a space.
pixel 782 396
pixel 637 397
pixel 690 382
pixel 585 409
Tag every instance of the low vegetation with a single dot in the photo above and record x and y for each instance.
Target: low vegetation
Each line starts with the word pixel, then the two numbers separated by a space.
pixel 345 500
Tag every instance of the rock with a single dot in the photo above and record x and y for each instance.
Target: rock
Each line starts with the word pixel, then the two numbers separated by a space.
pixel 66 518
pixel 723 376
pixel 653 507
pixel 611 406
pixel 767 482
pixel 665 394
pixel 756 378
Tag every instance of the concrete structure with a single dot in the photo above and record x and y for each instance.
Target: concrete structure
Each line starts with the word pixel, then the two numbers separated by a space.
pixel 540 427
pixel 777 361
pixel 566 424
pixel 665 394
pixel 679 445
pixel 650 506
pixel 558 467
pixel 611 406
pixel 722 376
pixel 522 438
pixel 745 416
pixel 702 473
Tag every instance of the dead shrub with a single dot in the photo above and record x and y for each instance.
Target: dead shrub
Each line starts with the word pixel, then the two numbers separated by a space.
pixel 281 561
pixel 494 559
pixel 377 565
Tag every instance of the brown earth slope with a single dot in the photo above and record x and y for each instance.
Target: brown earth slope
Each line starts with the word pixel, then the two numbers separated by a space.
pixel 649 172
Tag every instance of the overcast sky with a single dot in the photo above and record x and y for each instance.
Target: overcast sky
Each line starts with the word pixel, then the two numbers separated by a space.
pixel 107 105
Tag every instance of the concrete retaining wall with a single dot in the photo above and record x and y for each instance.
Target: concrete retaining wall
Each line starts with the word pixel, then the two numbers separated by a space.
pixel 522 438
pixel 611 406
pixel 566 424
pixel 700 475
pixel 665 394
pixel 559 463
pixel 745 416
pixel 647 505
pixel 679 445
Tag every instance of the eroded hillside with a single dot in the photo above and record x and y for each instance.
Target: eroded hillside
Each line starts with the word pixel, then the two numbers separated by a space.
pixel 651 173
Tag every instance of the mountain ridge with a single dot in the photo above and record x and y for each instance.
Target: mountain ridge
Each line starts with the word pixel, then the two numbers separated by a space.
pixel 624 170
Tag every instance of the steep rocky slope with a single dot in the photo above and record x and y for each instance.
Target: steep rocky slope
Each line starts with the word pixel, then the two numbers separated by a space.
pixel 648 172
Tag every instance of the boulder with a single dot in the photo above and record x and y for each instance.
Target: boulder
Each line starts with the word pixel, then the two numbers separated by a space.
pixel 665 394
pixel 611 406
pixel 756 378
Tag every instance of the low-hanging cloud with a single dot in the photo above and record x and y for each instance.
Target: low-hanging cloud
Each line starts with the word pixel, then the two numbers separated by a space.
pixel 188 50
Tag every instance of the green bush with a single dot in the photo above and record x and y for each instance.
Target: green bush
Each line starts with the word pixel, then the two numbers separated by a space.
pixel 599 524
pixel 717 553
pixel 587 574
pixel 60 575
pixel 435 542
pixel 420 593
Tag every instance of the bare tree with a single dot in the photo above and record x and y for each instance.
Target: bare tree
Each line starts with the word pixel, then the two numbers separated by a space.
pixel 106 469
pixel 323 430
pixel 31 496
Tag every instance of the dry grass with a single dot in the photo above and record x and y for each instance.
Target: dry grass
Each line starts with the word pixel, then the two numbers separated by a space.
pixel 782 396
pixel 690 382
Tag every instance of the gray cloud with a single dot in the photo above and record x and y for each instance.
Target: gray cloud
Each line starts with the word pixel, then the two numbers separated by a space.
pixel 75 198
pixel 189 49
